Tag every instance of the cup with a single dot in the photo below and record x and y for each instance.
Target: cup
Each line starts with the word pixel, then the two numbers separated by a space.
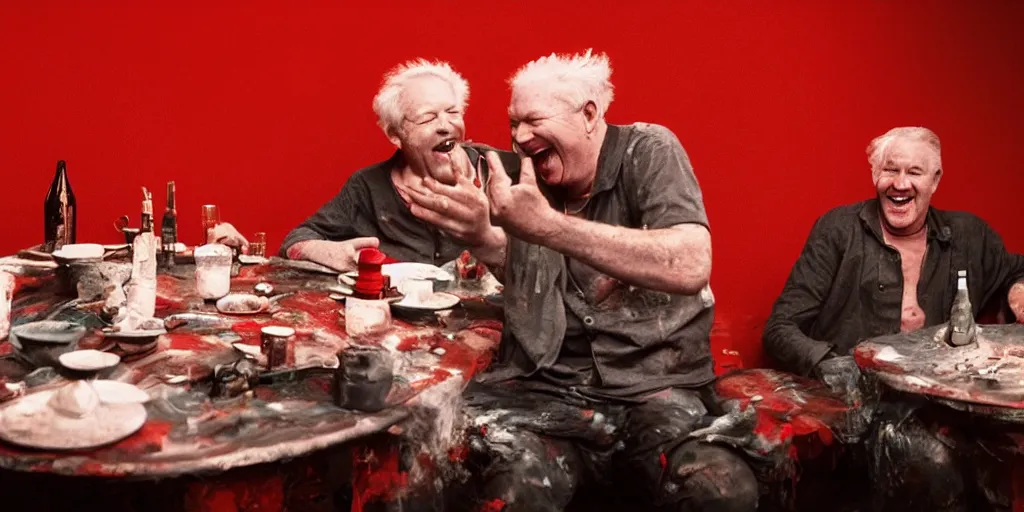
pixel 258 245
pixel 274 342
pixel 213 271
pixel 6 294
pixel 416 291
pixel 365 317
pixel 210 217
pixel 363 379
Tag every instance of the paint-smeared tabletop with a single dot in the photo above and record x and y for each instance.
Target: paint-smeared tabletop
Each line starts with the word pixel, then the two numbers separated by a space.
pixel 986 377
pixel 187 431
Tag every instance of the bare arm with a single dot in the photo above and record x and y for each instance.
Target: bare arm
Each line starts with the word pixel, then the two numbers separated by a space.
pixel 671 260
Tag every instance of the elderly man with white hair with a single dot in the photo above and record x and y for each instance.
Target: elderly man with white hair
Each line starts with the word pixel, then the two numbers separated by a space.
pixel 420 108
pixel 884 266
pixel 605 364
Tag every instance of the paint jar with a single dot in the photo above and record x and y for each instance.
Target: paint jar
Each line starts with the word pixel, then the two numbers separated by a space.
pixel 363 379
pixel 274 342
pixel 213 271
pixel 366 317
pixel 6 294
pixel 258 245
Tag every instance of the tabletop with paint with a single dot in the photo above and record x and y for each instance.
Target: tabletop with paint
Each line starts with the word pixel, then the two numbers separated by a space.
pixel 187 431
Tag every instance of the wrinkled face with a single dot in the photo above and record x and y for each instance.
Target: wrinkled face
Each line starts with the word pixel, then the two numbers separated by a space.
pixel 905 180
pixel 552 132
pixel 431 127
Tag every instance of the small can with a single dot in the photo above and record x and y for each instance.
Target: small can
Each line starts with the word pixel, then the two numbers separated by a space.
pixel 274 341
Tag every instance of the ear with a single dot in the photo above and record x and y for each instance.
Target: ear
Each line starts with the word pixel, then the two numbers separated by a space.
pixel 392 134
pixel 591 116
pixel 938 177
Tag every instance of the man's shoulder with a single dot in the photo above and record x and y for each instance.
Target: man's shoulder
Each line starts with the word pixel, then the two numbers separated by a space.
pixel 373 174
pixel 640 134
pixel 841 220
pixel 959 219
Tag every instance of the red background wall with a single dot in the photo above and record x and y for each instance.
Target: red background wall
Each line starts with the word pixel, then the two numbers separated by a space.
pixel 265 109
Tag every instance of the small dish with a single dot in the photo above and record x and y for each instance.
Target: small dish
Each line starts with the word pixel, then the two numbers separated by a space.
pixel 134 342
pixel 84 364
pixel 79 253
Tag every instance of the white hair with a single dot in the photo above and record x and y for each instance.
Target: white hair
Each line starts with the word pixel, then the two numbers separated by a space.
pixel 584 77
pixel 387 102
pixel 878 147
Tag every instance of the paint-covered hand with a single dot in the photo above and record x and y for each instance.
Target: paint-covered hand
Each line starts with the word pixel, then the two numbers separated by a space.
pixel 459 209
pixel 520 208
pixel 226 234
pixel 341 256
pixel 1016 301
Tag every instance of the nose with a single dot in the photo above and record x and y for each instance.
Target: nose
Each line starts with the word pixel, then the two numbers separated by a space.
pixel 902 182
pixel 521 133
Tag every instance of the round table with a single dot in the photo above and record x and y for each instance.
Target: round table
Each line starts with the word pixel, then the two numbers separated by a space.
pixel 188 433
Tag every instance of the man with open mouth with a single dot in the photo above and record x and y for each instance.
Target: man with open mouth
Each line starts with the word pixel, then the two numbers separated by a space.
pixel 605 361
pixel 884 266
pixel 395 204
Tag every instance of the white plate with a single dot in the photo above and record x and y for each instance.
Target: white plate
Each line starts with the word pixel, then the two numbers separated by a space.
pixel 437 302
pixel 402 271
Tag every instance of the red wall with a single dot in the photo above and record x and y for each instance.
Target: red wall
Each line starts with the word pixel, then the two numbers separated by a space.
pixel 265 110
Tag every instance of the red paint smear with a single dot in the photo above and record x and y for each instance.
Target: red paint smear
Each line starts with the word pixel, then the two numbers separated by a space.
pixel 791 406
pixel 190 341
pixel 495 505
pixel 663 460
pixel 458 453
pixel 376 478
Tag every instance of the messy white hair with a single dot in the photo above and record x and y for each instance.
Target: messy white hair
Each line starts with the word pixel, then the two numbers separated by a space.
pixel 387 102
pixel 583 77
pixel 879 147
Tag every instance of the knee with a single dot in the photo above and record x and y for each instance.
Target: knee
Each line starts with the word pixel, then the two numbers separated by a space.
pixel 914 469
pixel 706 477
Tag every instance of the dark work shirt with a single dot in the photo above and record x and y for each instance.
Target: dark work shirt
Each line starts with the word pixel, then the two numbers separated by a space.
pixel 847 285
pixel 369 205
pixel 606 339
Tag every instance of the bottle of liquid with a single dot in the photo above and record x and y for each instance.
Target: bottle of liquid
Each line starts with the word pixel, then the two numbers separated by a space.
pixel 169 228
pixel 59 211
pixel 147 212
pixel 962 329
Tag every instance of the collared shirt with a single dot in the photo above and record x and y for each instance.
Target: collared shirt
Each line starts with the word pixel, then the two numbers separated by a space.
pixel 369 205
pixel 847 285
pixel 576 329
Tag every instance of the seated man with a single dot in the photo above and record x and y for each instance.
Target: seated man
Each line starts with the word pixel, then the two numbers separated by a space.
pixel 605 364
pixel 420 108
pixel 889 265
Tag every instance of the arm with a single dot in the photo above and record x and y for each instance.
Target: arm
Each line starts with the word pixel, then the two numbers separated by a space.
pixel 670 253
pixel 800 303
pixel 330 222
pixel 326 236
pixel 672 260
pixel 1004 272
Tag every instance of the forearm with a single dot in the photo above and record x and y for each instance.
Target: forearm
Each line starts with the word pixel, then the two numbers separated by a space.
pixel 1015 299
pixel 492 251
pixel 290 247
pixel 672 260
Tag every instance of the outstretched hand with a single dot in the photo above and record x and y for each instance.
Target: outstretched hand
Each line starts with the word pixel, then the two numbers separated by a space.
pixel 519 208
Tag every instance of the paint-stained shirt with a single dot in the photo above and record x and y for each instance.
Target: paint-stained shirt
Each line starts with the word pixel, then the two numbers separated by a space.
pixel 575 329
pixel 847 285
pixel 369 205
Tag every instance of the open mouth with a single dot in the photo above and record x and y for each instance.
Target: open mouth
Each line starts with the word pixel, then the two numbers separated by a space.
pixel 445 147
pixel 900 200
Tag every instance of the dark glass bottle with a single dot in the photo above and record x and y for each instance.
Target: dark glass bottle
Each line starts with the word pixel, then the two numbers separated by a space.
pixel 169 227
pixel 59 211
